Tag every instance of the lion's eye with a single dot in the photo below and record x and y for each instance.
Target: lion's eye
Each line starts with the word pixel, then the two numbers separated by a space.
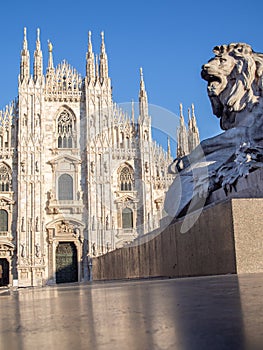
pixel 222 60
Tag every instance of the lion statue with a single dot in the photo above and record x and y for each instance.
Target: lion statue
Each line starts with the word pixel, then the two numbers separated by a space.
pixel 235 89
pixel 234 79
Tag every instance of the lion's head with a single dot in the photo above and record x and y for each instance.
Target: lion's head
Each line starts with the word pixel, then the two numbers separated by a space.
pixel 234 79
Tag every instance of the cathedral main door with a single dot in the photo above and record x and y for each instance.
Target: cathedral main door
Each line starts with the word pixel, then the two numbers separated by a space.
pixel 4 272
pixel 66 263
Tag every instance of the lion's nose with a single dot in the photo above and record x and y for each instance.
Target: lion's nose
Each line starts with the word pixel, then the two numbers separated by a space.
pixel 204 66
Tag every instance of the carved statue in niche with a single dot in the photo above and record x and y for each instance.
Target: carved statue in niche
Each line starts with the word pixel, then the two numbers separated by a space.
pixel 108 247
pixel 80 195
pixel 94 249
pixel 37 224
pixel 22 166
pixel 235 88
pixel 50 195
pixel 23 224
pixel 23 249
pixel 92 167
pixel 37 250
pixel 107 223
pixel 93 223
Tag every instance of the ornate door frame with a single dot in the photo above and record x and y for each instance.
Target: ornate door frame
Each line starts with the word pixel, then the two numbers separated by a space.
pixel 64 230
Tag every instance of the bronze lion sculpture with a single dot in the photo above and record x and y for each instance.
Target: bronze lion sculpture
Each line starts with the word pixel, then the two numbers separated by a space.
pixel 235 88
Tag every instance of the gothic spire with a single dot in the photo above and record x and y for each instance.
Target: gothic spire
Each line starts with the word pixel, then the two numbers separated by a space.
pixel 90 67
pixel 181 116
pixel 38 59
pixel 189 120
pixel 103 60
pixel 143 100
pixel 194 126
pixel 50 67
pixel 168 147
pixel 24 61
pixel 182 137
pixel 193 133
pixel 25 40
pixel 96 68
pixel 102 47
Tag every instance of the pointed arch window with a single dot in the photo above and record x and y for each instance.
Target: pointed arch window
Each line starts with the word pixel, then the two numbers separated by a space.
pixel 127 218
pixel 126 179
pixel 65 128
pixel 65 187
pixel 3 220
pixel 5 178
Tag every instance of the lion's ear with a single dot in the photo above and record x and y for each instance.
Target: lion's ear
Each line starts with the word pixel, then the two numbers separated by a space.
pixel 219 50
pixel 216 50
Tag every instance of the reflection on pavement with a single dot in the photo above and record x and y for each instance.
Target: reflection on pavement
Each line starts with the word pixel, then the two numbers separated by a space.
pixel 217 312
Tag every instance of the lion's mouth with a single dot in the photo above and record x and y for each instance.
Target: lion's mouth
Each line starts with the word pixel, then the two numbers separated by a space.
pixel 209 76
pixel 214 82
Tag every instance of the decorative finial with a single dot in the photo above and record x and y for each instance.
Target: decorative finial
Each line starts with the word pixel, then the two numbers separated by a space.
pixel 181 109
pixel 38 40
pixel 89 43
pixel 190 122
pixel 141 80
pixel 193 110
pixel 102 48
pixel 50 68
pixel 25 40
pixel 50 46
pixel 141 73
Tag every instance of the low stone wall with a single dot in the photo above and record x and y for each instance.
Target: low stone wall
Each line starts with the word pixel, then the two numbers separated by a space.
pixel 226 238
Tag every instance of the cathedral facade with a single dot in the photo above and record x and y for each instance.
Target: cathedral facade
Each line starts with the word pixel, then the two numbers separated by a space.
pixel 78 176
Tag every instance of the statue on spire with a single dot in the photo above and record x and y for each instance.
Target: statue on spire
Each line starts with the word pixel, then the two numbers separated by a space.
pixel 50 46
pixel 103 61
pixel 24 62
pixel 38 59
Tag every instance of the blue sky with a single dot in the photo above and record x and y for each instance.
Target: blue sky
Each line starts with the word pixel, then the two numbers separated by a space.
pixel 170 39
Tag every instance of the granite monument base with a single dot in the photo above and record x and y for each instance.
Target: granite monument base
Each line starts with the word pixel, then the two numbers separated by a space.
pixel 226 238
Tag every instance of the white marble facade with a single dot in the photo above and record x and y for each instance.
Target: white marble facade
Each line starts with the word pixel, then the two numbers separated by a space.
pixel 78 176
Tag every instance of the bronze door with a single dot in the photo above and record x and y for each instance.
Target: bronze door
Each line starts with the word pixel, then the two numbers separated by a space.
pixel 66 263
pixel 4 272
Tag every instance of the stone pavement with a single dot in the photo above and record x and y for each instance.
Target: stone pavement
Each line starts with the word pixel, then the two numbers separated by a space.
pixel 216 312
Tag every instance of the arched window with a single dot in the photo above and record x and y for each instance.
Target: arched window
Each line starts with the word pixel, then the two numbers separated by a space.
pixel 65 187
pixel 5 178
pixel 3 220
pixel 126 179
pixel 65 130
pixel 127 218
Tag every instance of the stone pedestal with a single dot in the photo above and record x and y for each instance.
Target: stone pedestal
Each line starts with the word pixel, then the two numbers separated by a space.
pixel 226 238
